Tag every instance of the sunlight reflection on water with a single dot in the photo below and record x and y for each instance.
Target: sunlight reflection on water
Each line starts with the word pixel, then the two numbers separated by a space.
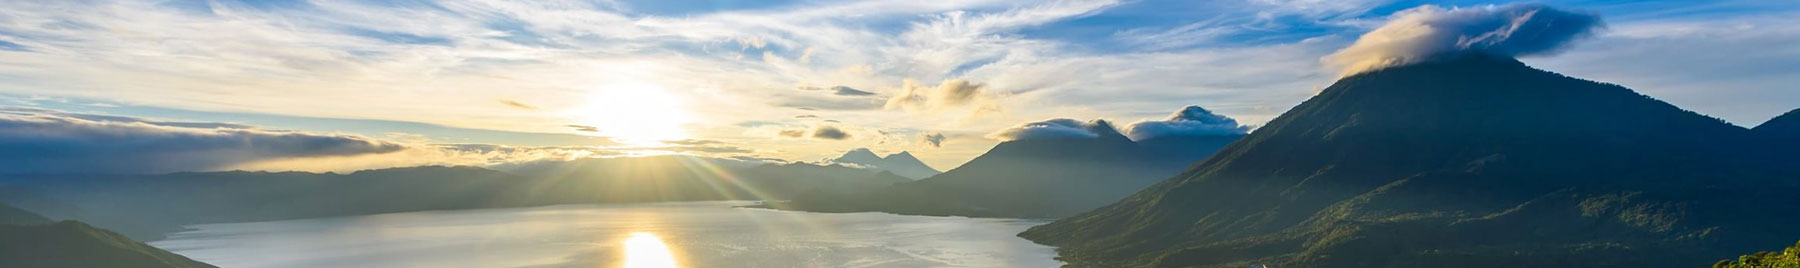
pixel 645 250
pixel 685 234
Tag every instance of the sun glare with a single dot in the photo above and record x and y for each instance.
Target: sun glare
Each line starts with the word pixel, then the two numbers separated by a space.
pixel 645 250
pixel 635 113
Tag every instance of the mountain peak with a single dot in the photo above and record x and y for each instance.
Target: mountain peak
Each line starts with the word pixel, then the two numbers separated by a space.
pixel 902 155
pixel 860 156
pixel 1104 130
pixel 902 163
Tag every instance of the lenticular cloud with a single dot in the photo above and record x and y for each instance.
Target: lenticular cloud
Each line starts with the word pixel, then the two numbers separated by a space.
pixel 1425 32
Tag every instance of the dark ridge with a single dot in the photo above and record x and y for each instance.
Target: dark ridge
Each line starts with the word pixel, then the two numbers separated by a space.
pixel 1036 178
pixel 1475 161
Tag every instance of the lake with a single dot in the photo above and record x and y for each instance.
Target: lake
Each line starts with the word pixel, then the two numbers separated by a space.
pixel 684 234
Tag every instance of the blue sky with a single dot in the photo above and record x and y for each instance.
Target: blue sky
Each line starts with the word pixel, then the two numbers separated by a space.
pixel 738 73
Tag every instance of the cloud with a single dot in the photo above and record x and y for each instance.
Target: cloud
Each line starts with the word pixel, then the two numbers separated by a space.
pixel 1060 128
pixel 934 139
pixel 792 133
pixel 584 128
pixel 847 91
pixel 830 133
pixel 948 94
pixel 113 118
pixel 516 104
pixel 831 103
pixel 804 116
pixel 710 149
pixel 694 142
pixel 51 143
pixel 840 91
pixel 1190 121
pixel 824 132
pixel 1421 33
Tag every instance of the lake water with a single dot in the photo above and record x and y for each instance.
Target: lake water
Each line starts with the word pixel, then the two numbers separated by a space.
pixel 687 234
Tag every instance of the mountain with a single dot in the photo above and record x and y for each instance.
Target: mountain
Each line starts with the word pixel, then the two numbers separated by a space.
pixel 149 206
pixel 74 244
pixel 902 163
pixel 1782 132
pixel 14 216
pixel 685 178
pixel 1470 161
pixel 1787 125
pixel 1033 178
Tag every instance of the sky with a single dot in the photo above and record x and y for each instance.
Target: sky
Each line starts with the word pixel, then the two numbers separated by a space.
pixel 341 85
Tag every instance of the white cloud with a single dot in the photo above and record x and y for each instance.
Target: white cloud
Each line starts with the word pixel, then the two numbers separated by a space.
pixel 1189 121
pixel 1424 32
pixel 1060 128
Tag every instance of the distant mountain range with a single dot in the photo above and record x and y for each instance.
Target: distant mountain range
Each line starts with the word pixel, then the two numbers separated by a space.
pixel 1470 161
pixel 148 206
pixel 902 163
pixel 1034 178
pixel 30 240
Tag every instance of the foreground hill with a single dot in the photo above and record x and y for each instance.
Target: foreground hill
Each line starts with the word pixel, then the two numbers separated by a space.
pixel 1034 178
pixel 147 206
pixel 1473 161
pixel 74 244
pixel 31 240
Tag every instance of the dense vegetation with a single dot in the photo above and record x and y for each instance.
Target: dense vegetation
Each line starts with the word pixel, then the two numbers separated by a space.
pixel 1475 161
pixel 1043 178
pixel 1789 258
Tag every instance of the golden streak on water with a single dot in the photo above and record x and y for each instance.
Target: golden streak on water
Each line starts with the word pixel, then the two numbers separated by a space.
pixel 645 250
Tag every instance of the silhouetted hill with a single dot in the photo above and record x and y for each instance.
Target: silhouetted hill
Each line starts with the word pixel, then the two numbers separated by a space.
pixel 1782 134
pixel 14 216
pixel 1033 178
pixel 148 206
pixel 74 244
pixel 1787 124
pixel 1474 161
pixel 902 163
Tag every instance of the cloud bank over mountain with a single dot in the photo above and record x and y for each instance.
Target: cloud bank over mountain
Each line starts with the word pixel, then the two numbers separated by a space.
pixel 54 143
pixel 1060 128
pixel 1421 33
pixel 1190 121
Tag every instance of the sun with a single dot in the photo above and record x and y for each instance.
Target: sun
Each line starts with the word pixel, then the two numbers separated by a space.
pixel 635 113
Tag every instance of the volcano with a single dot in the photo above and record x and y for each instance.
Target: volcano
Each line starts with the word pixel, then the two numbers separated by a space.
pixel 902 163
pixel 1035 178
pixel 1467 161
